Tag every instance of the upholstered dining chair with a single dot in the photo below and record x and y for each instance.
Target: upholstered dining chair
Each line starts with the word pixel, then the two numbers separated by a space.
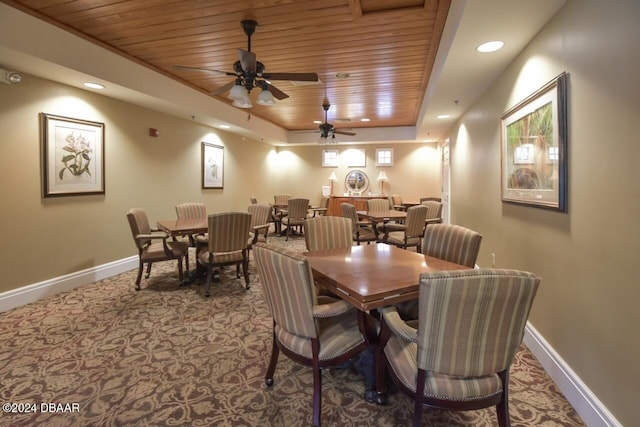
pixel 449 242
pixel 378 205
pixel 396 203
pixel 410 233
pixel 279 202
pixel 153 246
pixel 297 213
pixel 260 223
pixel 361 231
pixel 470 325
pixel 434 212
pixel 327 232
pixel 226 245
pixel 426 199
pixel 322 208
pixel 316 331
pixel 452 243
pixel 191 210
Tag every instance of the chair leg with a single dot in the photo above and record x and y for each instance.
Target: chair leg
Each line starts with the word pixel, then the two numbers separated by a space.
pixel 417 414
pixel 148 270
pixel 268 378
pixel 245 270
pixel 502 408
pixel 180 269
pixel 207 292
pixel 140 268
pixel 317 384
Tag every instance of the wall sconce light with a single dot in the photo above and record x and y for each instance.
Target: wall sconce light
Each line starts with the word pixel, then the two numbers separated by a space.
pixel 382 178
pixel 10 77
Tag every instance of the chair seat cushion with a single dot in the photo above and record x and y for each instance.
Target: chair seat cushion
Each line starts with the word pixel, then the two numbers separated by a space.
pixel 220 257
pixel 402 356
pixel 397 238
pixel 337 335
pixel 155 251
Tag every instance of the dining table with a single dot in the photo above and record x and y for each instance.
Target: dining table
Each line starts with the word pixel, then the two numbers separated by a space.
pixel 383 215
pixel 183 227
pixel 370 277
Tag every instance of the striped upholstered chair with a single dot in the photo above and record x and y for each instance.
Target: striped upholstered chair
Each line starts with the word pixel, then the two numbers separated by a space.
pixel 362 231
pixel 470 325
pixel 311 330
pixel 260 223
pixel 434 212
pixel 191 210
pixel 327 232
pixel 452 243
pixel 227 244
pixel 410 233
pixel 153 246
pixel 297 213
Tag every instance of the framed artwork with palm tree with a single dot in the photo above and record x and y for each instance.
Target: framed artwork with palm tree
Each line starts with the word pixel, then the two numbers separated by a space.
pixel 534 148
pixel 73 156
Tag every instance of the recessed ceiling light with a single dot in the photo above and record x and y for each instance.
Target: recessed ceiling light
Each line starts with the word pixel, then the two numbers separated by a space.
pixel 224 126
pixel 93 85
pixel 365 119
pixel 444 116
pixel 317 122
pixel 342 75
pixel 491 46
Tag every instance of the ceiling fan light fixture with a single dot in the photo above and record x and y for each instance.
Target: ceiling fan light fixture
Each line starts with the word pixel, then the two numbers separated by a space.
pixel 238 92
pixel 266 98
pixel 242 102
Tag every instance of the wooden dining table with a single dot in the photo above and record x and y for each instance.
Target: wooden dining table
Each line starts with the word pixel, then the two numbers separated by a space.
pixel 383 216
pixel 183 227
pixel 374 276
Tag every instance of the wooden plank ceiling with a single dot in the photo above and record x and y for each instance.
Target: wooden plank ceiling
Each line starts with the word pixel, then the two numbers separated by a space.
pixel 386 47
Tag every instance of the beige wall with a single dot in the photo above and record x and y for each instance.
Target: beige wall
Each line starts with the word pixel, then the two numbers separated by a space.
pixel 587 304
pixel 76 233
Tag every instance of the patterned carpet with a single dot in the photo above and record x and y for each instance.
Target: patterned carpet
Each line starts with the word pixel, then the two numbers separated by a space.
pixel 106 355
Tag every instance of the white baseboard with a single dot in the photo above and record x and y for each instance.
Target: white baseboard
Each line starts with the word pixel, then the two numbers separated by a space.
pixel 37 291
pixel 586 404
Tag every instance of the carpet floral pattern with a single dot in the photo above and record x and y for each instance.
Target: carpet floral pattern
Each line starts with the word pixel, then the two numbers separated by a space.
pixel 107 355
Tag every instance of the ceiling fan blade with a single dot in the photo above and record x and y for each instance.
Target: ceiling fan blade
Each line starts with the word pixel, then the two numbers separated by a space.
pixel 223 89
pixel 296 77
pixel 277 93
pixel 208 70
pixel 341 132
pixel 247 60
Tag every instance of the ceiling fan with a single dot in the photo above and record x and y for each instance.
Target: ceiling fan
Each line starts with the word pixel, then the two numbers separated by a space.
pixel 327 129
pixel 250 73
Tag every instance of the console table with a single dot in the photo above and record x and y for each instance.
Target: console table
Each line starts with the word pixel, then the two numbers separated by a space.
pixel 360 202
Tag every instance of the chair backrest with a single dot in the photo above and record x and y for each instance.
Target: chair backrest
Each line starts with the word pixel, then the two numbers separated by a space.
pixel 191 210
pixel 324 202
pixel 377 205
pixel 434 209
pixel 396 200
pixel 260 214
pixel 253 200
pixel 415 220
pixel 287 282
pixel 471 322
pixel 452 243
pixel 228 231
pixel 297 208
pixel 139 224
pixel 426 199
pixel 327 232
pixel 281 199
pixel 349 211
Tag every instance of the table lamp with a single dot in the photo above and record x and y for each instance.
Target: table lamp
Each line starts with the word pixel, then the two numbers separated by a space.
pixel 332 178
pixel 382 178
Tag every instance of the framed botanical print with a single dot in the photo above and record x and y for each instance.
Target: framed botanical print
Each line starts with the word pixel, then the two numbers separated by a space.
pixel 73 156
pixel 212 166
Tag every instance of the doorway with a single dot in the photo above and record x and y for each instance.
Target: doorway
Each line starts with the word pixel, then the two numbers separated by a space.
pixel 446 181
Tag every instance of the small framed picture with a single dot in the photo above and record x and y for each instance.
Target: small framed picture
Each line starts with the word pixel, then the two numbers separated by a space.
pixel 212 166
pixel 73 152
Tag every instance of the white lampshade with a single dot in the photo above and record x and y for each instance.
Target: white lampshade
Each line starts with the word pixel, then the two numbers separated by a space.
pixel 238 92
pixel 266 98
pixel 332 176
pixel 242 102
pixel 383 176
